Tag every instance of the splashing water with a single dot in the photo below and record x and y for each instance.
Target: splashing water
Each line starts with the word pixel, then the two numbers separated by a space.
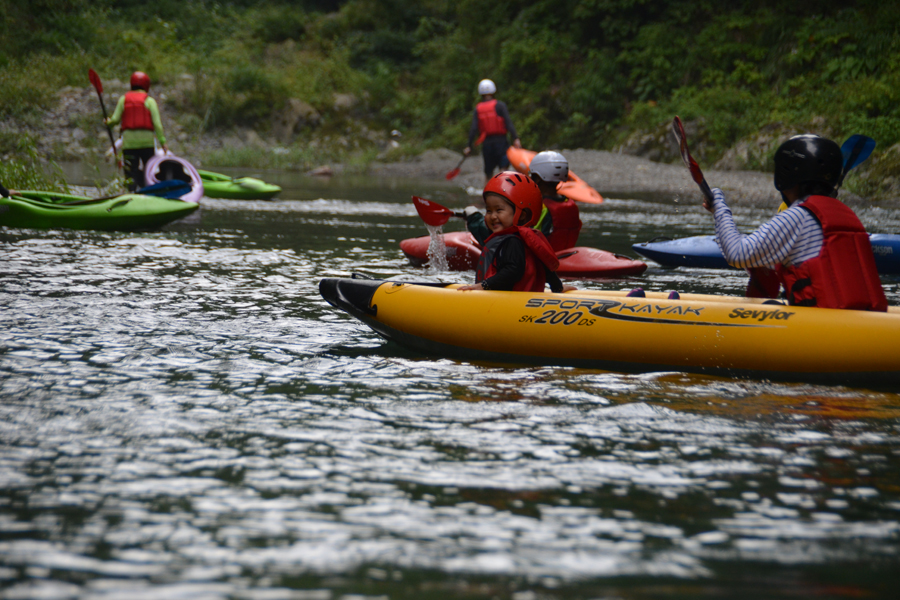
pixel 437 250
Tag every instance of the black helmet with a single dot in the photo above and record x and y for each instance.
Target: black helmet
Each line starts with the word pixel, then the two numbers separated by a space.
pixel 806 159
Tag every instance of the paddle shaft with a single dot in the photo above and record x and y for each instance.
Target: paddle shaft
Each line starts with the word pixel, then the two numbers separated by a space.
pixel 98 85
pixel 450 175
pixel 696 173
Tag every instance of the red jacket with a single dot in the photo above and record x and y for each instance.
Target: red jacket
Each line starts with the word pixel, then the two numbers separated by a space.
pixel 843 275
pixel 489 122
pixel 136 115
pixel 538 256
pixel 566 224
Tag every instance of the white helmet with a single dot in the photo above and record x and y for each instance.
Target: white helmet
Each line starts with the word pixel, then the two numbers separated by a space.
pixel 550 166
pixel 486 86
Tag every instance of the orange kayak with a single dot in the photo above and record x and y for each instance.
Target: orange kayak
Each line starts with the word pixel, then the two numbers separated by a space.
pixel 575 188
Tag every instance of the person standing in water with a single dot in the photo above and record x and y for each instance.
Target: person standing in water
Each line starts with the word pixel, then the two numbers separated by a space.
pixel 491 126
pixel 139 116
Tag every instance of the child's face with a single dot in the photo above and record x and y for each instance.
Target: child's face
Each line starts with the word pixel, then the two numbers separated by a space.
pixel 500 213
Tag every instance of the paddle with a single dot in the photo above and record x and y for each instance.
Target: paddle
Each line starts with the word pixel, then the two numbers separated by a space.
pixel 696 173
pixel 855 150
pixel 433 213
pixel 451 174
pixel 98 85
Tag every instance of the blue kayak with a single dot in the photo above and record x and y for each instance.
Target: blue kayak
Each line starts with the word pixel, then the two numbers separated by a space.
pixel 703 252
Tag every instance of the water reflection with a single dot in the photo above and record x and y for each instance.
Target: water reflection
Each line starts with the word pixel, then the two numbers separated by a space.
pixel 183 415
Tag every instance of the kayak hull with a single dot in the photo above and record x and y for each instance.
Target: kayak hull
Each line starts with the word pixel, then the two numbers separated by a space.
pixel 703 252
pixel 165 167
pixel 216 185
pixel 128 212
pixel 726 336
pixel 463 252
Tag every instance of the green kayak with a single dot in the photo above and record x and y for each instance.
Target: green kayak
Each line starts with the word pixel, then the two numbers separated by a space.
pixel 216 185
pixel 52 210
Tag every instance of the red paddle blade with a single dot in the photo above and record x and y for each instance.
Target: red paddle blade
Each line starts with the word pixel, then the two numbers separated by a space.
pixel 431 212
pixel 689 162
pixel 95 81
pixel 450 175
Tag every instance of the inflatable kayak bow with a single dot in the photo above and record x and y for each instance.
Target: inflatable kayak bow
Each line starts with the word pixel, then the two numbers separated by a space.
pixel 607 330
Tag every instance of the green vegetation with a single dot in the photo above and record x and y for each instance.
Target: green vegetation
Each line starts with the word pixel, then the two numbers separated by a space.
pixel 575 73
pixel 23 171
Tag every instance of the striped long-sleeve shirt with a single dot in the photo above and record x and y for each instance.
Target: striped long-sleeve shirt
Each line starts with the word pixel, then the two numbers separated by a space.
pixel 790 238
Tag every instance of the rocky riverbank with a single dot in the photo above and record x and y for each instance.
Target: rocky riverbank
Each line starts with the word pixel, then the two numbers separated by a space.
pixel 73 130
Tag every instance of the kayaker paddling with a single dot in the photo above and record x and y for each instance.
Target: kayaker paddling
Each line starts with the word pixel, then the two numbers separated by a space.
pixel 139 115
pixel 515 256
pixel 491 124
pixel 5 193
pixel 818 247
pixel 562 223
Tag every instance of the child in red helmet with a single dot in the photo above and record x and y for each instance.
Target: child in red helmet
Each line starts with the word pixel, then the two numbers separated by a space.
pixel 139 116
pixel 515 256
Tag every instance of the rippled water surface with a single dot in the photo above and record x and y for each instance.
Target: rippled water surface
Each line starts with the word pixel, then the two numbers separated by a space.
pixel 183 416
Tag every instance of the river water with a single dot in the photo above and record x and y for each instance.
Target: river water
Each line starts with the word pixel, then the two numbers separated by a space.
pixel 183 416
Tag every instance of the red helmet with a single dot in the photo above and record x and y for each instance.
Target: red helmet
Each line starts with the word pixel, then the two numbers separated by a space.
pixel 521 191
pixel 140 79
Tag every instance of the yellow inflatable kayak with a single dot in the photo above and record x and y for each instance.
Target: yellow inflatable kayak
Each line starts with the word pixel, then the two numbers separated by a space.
pixel 720 335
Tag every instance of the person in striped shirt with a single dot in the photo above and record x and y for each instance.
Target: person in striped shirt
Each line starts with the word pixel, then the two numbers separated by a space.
pixel 817 247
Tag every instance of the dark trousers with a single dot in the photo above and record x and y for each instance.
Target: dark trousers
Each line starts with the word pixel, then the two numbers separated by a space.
pixel 135 162
pixel 494 152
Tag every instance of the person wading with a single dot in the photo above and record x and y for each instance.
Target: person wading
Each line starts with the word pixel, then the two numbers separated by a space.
pixel 491 126
pixel 139 116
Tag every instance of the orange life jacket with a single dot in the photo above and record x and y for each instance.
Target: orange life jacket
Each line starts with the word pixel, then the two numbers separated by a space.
pixel 489 122
pixel 566 224
pixel 843 275
pixel 538 257
pixel 136 115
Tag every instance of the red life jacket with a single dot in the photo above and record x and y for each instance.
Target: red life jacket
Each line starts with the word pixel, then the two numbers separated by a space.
pixel 843 275
pixel 489 122
pixel 136 115
pixel 566 224
pixel 764 283
pixel 538 255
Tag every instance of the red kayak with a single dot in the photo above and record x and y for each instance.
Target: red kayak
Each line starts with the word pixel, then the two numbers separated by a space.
pixel 463 253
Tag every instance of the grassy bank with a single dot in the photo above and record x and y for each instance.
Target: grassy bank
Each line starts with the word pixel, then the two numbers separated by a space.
pixel 599 74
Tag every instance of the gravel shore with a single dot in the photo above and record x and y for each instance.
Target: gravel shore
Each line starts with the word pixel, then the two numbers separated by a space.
pixel 614 175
